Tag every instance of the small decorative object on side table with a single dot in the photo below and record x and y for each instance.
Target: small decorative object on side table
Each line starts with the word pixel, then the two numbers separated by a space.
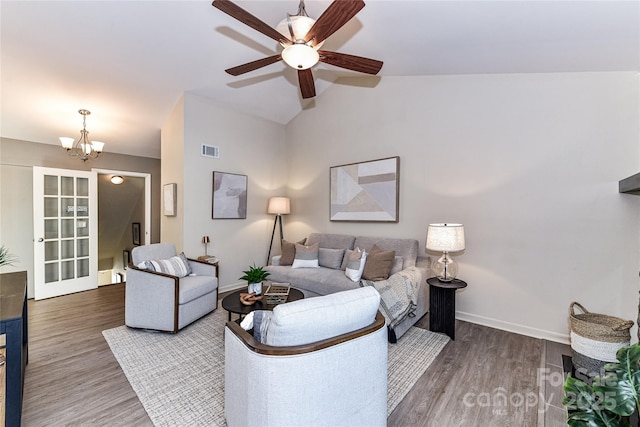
pixel 277 293
pixel 232 303
pixel 442 305
pixel 208 258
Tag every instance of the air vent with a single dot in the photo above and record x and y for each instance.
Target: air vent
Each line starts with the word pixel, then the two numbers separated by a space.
pixel 210 151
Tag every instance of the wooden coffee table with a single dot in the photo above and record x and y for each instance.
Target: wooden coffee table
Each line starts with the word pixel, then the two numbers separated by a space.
pixel 232 303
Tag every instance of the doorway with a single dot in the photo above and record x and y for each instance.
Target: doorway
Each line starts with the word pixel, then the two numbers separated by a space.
pixel 124 220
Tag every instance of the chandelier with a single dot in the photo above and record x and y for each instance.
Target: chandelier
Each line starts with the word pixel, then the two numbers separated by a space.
pixel 83 147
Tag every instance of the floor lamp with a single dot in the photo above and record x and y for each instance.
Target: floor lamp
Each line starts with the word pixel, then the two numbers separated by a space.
pixel 278 206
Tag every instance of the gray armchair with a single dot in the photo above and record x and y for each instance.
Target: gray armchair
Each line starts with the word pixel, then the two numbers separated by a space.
pixel 166 302
pixel 321 361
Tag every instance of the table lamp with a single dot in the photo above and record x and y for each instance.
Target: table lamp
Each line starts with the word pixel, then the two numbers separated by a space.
pixel 446 238
pixel 278 206
pixel 205 241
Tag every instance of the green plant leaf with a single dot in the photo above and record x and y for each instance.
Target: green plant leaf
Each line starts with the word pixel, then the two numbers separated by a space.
pixel 5 257
pixel 623 377
pixel 255 274
pixel 612 397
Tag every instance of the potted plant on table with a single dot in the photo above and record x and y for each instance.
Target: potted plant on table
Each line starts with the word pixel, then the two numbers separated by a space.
pixel 255 276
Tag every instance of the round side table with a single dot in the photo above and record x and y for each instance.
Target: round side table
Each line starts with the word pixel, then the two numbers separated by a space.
pixel 442 305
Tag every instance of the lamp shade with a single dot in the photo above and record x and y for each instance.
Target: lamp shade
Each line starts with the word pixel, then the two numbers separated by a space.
pixel 445 237
pixel 279 206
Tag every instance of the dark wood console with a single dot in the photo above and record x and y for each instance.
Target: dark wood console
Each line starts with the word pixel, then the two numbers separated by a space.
pixel 13 324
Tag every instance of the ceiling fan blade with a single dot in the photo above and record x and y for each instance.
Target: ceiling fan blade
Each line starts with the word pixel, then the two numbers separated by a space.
pixel 253 65
pixel 307 86
pixel 246 18
pixel 351 62
pixel 337 14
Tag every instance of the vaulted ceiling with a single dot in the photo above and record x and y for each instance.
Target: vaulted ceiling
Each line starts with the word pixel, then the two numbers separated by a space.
pixel 130 61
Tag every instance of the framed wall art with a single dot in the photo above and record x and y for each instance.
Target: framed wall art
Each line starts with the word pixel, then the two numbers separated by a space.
pixel 126 258
pixel 366 191
pixel 135 231
pixel 229 196
pixel 170 199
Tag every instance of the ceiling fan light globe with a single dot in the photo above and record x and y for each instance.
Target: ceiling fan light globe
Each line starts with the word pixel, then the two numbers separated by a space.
pixel 301 26
pixel 300 56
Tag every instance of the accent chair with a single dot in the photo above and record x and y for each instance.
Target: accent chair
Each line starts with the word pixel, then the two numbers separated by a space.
pixel 163 300
pixel 322 361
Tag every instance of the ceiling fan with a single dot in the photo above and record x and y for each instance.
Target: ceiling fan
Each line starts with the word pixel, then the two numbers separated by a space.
pixel 301 37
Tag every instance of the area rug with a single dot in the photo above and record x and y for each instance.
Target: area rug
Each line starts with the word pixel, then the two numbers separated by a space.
pixel 180 378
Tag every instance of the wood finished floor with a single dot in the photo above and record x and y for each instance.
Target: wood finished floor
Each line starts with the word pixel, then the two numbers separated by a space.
pixel 72 378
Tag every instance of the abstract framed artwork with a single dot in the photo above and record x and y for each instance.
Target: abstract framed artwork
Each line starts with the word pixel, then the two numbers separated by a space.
pixel 229 196
pixel 366 191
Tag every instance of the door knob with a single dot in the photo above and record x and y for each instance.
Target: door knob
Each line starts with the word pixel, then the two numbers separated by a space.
pixel 41 239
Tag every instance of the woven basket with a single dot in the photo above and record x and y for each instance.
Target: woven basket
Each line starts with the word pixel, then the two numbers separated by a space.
pixel 599 327
pixel 595 339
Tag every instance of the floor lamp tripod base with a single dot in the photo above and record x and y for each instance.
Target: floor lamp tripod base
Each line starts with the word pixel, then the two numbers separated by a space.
pixel 276 220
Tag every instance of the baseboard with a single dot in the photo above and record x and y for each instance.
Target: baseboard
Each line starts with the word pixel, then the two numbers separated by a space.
pixel 513 327
pixel 232 287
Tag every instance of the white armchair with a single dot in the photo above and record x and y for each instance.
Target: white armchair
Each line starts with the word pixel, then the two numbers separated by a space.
pixel 165 302
pixel 335 377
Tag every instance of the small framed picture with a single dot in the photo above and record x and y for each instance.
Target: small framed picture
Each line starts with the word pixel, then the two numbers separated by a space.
pixel 170 199
pixel 126 258
pixel 135 230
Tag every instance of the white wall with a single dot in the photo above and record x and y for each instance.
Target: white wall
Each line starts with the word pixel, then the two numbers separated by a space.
pixel 173 170
pixel 529 163
pixel 249 146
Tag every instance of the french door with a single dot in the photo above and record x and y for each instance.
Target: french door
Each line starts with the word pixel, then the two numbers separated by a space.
pixel 65 231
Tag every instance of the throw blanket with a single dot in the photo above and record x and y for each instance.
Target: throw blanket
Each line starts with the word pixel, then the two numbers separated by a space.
pixel 398 294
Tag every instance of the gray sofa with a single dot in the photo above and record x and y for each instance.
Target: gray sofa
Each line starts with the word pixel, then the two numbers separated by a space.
pixel 323 281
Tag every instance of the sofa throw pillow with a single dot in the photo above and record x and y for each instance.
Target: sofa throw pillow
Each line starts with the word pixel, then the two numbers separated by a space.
pixel 345 259
pixel 289 251
pixel 398 263
pixel 330 258
pixel 355 264
pixel 184 259
pixel 379 264
pixel 306 256
pixel 175 266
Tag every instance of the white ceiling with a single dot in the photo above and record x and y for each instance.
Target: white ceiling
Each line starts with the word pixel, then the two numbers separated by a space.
pixel 129 61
